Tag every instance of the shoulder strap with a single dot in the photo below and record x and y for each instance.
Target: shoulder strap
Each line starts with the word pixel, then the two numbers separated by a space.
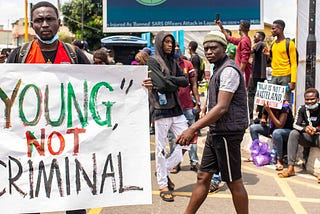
pixel 23 53
pixel 71 53
pixel 287 48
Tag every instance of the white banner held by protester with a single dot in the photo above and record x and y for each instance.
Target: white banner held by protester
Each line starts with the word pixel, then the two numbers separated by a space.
pixel 271 93
pixel 73 136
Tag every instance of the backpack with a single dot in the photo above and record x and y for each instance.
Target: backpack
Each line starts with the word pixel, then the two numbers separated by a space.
pixel 25 48
pixel 287 49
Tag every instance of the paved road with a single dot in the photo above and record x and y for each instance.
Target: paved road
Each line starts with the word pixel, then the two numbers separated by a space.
pixel 267 193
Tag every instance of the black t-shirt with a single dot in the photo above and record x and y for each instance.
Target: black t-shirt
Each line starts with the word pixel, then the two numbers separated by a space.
pixel 259 62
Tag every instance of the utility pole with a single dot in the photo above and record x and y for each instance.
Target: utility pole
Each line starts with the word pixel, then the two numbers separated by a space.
pixel 26 22
pixel 311 47
pixel 82 20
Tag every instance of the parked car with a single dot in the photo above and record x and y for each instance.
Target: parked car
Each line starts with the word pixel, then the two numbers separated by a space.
pixel 124 48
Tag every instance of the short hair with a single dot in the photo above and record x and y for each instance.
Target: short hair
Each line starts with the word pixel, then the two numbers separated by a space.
pixel 229 32
pixel 262 34
pixel 245 24
pixel 102 55
pixel 280 22
pixel 193 45
pixel 312 90
pixel 44 4
pixel 78 43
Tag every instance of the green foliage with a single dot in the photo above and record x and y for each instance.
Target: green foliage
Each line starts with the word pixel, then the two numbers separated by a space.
pixel 92 30
pixel 64 37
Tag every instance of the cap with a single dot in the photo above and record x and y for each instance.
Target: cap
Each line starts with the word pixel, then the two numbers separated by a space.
pixel 215 36
pixel 147 50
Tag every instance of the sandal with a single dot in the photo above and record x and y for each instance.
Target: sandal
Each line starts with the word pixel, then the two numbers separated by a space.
pixel 166 196
pixel 176 169
pixel 279 167
pixel 171 185
pixel 214 187
pixel 285 174
pixel 318 178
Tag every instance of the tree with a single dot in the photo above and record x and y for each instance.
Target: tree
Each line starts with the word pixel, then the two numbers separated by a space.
pixel 92 30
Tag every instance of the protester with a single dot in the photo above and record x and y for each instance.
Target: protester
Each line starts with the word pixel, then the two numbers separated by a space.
pixel 196 62
pixel 284 66
pixel 243 47
pixel 227 119
pixel 165 79
pixel 259 65
pixel 100 57
pixel 189 110
pixel 83 45
pixel 47 48
pixel 306 129
pixel 280 125
pixel 231 48
pixel 142 58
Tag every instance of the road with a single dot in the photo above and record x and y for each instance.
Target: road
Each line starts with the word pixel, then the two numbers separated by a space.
pixel 267 193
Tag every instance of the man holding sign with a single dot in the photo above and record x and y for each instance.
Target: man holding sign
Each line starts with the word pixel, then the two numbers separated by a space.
pixel 47 48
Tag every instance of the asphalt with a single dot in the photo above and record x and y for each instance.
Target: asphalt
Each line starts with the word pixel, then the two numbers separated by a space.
pixel 267 192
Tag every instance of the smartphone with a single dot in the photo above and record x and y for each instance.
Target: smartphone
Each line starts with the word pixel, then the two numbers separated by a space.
pixel 217 16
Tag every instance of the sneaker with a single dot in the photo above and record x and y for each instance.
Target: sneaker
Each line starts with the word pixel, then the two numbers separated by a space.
pixel 214 187
pixel 194 167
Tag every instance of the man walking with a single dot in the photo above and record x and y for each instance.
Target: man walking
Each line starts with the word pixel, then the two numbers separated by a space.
pixel 227 119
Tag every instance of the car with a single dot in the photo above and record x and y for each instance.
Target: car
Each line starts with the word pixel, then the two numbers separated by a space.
pixel 123 47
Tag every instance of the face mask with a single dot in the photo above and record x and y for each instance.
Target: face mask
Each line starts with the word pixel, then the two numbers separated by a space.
pixel 177 54
pixel 48 42
pixel 314 106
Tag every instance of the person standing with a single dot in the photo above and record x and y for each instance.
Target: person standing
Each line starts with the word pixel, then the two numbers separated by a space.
pixel 283 61
pixel 188 108
pixel 164 82
pixel 243 47
pixel 227 118
pixel 259 65
pixel 47 48
pixel 231 48
pixel 306 129
pixel 83 45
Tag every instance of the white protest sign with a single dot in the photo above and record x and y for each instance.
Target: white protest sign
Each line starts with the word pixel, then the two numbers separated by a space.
pixel 73 136
pixel 271 93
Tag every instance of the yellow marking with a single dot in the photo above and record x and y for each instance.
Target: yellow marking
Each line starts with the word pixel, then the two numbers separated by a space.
pixel 95 210
pixel 289 194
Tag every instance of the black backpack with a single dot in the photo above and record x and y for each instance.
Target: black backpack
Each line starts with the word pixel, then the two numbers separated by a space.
pixel 25 48
pixel 287 49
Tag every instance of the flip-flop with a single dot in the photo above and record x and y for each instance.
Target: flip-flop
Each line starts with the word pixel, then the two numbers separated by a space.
pixel 285 174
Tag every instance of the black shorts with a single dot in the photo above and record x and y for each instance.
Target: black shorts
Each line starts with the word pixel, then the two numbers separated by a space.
pixel 222 153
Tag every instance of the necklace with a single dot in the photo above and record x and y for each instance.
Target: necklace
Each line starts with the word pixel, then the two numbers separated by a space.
pixel 49 56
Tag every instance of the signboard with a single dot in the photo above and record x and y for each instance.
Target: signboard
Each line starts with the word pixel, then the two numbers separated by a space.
pixel 73 136
pixel 271 93
pixel 156 15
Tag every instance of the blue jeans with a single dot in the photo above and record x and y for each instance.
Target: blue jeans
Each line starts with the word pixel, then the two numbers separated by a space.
pixel 216 177
pixel 193 156
pixel 279 136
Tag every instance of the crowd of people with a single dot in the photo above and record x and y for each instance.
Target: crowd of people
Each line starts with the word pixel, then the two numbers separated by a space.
pixel 176 115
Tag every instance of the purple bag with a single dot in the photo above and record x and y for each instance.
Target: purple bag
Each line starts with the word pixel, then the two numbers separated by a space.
pixel 260 152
